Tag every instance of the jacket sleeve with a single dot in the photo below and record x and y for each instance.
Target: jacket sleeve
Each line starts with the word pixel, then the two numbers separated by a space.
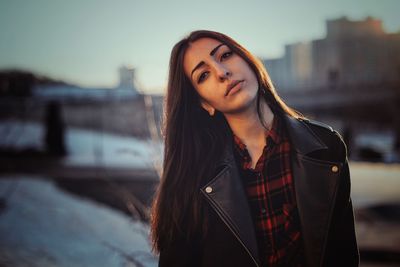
pixel 342 249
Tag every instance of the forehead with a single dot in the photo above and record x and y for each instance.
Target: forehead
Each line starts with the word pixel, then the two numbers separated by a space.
pixel 198 51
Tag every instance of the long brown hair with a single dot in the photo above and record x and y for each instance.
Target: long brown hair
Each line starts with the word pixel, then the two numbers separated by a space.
pixel 193 145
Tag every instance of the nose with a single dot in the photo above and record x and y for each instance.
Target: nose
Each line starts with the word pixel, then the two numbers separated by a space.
pixel 222 72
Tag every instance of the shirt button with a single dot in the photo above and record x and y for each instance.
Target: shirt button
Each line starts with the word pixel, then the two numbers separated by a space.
pixel 209 189
pixel 263 211
pixel 335 168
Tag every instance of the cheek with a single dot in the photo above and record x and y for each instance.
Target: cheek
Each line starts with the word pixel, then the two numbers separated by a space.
pixel 253 79
pixel 205 93
pixel 207 88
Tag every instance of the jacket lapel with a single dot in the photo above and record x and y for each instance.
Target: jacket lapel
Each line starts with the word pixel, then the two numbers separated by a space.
pixel 316 184
pixel 226 195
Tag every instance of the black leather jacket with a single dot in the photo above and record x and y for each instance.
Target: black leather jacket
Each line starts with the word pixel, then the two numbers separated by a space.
pixel 322 185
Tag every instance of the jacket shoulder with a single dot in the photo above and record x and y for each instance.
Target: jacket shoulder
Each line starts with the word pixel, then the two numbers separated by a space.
pixel 323 130
pixel 328 135
pixel 318 124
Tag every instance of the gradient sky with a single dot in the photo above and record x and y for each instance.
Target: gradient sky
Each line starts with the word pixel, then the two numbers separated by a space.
pixel 85 41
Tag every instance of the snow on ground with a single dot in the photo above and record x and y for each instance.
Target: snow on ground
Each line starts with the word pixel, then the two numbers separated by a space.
pixel 374 183
pixel 85 147
pixel 44 226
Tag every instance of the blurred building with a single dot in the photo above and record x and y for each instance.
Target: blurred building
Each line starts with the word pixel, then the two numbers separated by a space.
pixel 19 83
pixel 352 53
pixel 350 79
pixel 126 89
pixel 126 77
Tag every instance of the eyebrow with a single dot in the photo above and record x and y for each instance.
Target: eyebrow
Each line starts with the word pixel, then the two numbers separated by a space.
pixel 202 62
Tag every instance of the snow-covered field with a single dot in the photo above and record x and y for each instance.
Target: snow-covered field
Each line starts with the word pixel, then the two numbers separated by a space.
pixel 85 147
pixel 374 183
pixel 44 226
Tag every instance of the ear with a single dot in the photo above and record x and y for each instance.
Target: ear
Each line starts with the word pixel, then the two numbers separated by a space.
pixel 210 109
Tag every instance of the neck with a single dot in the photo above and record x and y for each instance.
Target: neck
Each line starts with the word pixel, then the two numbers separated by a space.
pixel 247 124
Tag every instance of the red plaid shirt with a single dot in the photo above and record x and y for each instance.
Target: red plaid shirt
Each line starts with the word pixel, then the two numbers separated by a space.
pixel 270 191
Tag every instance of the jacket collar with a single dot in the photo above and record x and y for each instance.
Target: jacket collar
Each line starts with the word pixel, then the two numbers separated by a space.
pixel 302 139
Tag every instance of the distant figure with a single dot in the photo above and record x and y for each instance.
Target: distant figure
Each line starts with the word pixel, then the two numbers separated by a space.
pixel 247 180
pixel 55 143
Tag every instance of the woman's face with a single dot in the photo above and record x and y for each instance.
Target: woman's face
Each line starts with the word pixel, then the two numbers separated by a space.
pixel 213 69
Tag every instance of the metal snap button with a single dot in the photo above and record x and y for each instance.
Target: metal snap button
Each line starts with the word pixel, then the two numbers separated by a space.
pixel 335 168
pixel 263 211
pixel 209 189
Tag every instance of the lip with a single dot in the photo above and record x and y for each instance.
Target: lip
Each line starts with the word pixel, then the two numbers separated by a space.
pixel 236 84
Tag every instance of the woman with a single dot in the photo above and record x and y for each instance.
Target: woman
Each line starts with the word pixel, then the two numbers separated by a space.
pixel 247 181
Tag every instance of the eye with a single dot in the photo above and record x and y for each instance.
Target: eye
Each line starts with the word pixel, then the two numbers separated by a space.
pixel 226 55
pixel 202 76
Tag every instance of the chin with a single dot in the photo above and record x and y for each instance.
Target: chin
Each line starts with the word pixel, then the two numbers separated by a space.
pixel 248 98
pixel 242 104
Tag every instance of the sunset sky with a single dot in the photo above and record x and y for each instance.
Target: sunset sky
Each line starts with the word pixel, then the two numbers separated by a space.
pixel 85 41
